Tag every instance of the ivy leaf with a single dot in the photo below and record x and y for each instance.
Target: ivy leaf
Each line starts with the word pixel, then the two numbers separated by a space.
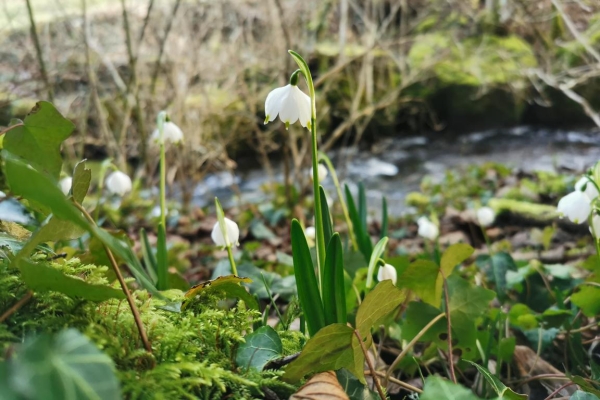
pixel 495 267
pixel 261 346
pixel 37 140
pixel 426 279
pixel 353 388
pixel 332 348
pixel 378 303
pixel 65 367
pixel 43 278
pixel 588 299
pixel 437 388
pixel 500 388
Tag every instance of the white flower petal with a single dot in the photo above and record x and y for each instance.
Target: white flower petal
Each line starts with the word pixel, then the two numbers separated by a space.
pixel 427 229
pixel 65 185
pixel 590 189
pixel 289 108
pixel 273 102
pixel 596 226
pixel 310 232
pixel 118 183
pixel 303 104
pixel 485 216
pixel 575 206
pixel 322 173
pixel 233 233
pixel 387 271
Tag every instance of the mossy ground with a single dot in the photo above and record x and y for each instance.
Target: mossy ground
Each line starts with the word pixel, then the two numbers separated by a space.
pixel 193 351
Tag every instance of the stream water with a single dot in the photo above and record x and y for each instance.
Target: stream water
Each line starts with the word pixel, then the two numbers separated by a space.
pixel 395 167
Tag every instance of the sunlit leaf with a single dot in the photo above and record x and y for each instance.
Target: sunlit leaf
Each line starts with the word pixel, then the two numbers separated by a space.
pixel 377 305
pixel 588 300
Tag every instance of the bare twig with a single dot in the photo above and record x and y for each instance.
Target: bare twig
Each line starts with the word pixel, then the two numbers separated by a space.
pixel 398 382
pixel 16 306
pixel 38 51
pixel 370 364
pixel 163 43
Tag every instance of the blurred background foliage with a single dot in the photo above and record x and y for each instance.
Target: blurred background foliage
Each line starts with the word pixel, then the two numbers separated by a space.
pixel 382 68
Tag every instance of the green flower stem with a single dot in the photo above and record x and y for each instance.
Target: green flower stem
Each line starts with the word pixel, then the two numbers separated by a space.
pixel 323 157
pixel 319 231
pixel 231 260
pixel 160 121
pixel 594 233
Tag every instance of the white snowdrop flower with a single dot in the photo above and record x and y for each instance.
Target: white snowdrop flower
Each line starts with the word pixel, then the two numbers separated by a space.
pixel 310 232
pixel 427 229
pixel 118 183
pixel 387 271
pixel 595 228
pixel 290 103
pixel 485 216
pixel 65 185
pixel 575 206
pixel 590 189
pixel 322 172
pixel 233 233
pixel 171 133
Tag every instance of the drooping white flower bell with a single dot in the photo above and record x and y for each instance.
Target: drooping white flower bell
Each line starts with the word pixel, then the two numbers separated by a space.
pixel 575 206
pixel 118 183
pixel 290 103
pixel 322 172
pixel 310 232
pixel 590 189
pixel 387 271
pixel 427 229
pixel 65 185
pixel 485 216
pixel 171 133
pixel 233 234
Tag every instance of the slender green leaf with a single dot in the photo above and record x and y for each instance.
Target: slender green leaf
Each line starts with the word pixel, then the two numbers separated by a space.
pixel 43 278
pixel 327 220
pixel 377 305
pixel 148 256
pixel 82 177
pixel 67 366
pixel 376 254
pixel 362 235
pixel 302 65
pixel 384 217
pixel 362 205
pixel 39 138
pixel 162 266
pixel 334 292
pixel 332 348
pixel 306 280
pixel 260 347
pixel 500 388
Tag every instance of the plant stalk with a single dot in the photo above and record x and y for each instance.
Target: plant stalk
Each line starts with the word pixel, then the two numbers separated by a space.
pixel 450 355
pixel 136 314
pixel 16 306
pixel 231 260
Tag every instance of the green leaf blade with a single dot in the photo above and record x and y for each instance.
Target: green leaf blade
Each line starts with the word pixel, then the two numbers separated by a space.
pixel 377 305
pixel 334 292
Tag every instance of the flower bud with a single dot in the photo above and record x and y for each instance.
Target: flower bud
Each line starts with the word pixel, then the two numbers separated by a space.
pixel 118 183
pixel 387 271
pixel 485 216
pixel 575 206
pixel 322 173
pixel 171 133
pixel 65 185
pixel 310 232
pixel 427 229
pixel 232 231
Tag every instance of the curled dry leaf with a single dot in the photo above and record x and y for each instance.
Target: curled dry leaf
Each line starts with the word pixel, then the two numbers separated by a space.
pixel 323 386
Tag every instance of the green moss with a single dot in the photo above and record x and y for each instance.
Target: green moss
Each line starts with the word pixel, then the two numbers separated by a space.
pixel 193 351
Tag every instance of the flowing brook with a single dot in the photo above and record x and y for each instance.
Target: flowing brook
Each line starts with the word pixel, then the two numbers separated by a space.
pixel 395 167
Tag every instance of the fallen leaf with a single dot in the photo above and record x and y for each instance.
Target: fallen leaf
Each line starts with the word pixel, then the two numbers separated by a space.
pixel 323 386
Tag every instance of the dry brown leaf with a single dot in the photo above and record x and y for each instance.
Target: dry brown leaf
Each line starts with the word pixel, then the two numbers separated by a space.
pixel 530 364
pixel 323 386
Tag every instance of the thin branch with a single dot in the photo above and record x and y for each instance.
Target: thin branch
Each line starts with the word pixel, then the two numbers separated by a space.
pixel 583 41
pixel 370 364
pixel 398 382
pixel 16 306
pixel 38 51
pixel 136 314
pixel 163 43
